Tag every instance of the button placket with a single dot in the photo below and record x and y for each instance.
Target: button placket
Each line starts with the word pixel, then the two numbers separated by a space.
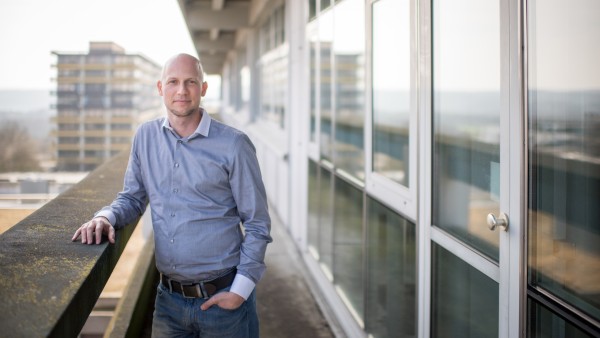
pixel 175 174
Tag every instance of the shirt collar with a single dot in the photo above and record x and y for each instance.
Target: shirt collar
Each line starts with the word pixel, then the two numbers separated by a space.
pixel 202 129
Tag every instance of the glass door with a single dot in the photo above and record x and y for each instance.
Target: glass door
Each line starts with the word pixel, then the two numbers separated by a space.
pixel 470 178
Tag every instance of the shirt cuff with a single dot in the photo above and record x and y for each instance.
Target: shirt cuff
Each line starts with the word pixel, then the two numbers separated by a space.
pixel 109 215
pixel 242 286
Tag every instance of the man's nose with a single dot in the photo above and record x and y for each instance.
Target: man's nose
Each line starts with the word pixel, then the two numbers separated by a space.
pixel 181 89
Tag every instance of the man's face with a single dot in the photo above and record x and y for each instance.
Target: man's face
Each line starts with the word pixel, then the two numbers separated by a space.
pixel 181 87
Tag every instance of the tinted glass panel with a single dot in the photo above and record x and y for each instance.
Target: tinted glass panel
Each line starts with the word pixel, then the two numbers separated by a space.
pixel 391 279
pixel 466 107
pixel 349 58
pixel 348 244
pixel 313 207
pixel 564 162
pixel 313 84
pixel 391 88
pixel 543 323
pixel 464 301
pixel 326 220
pixel 325 86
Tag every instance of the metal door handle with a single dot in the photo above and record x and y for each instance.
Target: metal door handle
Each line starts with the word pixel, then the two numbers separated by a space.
pixel 501 221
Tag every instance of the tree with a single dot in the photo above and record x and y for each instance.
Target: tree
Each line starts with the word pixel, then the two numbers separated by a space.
pixel 17 148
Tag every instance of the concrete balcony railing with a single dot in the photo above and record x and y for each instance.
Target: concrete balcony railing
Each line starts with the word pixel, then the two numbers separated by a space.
pixel 49 285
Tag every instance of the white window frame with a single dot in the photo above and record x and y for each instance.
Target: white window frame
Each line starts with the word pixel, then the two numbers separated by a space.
pixel 376 184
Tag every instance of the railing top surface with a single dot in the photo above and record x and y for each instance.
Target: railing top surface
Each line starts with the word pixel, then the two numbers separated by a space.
pixel 48 284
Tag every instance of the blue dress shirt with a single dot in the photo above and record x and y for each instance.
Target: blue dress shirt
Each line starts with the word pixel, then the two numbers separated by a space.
pixel 200 189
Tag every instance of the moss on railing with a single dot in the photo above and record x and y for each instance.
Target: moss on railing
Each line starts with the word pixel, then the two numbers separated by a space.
pixel 48 284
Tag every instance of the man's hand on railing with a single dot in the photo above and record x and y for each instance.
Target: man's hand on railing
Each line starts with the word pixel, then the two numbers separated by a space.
pixel 94 229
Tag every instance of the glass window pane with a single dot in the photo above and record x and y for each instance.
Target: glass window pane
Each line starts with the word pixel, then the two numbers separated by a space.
pixel 312 9
pixel 348 244
pixel 542 323
pixel 464 301
pixel 466 121
pixel 313 208
pixel 313 84
pixel 326 220
pixel 273 69
pixel 391 88
pixel 325 86
pixel 564 139
pixel 392 269
pixel 349 57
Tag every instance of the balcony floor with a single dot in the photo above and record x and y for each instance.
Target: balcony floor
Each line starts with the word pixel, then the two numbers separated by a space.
pixel 286 307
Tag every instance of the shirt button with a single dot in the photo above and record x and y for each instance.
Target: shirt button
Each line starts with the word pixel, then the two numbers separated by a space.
pixel 175 190
pixel 172 214
pixel 176 165
pixel 172 240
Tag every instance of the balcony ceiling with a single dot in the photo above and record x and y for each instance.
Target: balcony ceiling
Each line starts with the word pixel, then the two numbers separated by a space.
pixel 213 26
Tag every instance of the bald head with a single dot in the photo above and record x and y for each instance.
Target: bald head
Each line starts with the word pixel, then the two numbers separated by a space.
pixel 182 58
pixel 182 86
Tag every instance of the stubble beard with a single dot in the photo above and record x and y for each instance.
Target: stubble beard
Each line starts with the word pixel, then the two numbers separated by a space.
pixel 185 113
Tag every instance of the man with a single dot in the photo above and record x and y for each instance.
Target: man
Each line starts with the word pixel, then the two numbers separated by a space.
pixel 202 180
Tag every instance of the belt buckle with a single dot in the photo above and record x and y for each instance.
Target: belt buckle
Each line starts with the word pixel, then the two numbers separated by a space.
pixel 199 288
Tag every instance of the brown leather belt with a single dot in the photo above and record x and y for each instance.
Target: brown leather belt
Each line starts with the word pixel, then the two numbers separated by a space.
pixel 198 289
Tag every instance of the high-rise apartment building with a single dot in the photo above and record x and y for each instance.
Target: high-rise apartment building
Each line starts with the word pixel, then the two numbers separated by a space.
pixel 101 97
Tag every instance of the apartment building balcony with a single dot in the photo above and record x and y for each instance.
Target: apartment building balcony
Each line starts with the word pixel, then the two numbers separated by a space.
pixel 65 133
pixel 94 119
pixel 122 119
pixel 94 146
pixel 67 146
pixel 64 119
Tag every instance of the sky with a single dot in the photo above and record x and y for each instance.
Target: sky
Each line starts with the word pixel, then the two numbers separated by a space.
pixel 31 29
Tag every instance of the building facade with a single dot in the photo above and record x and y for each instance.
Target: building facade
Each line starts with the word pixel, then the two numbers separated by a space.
pixel 436 163
pixel 101 96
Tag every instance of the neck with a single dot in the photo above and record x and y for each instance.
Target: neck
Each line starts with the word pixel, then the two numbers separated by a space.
pixel 185 126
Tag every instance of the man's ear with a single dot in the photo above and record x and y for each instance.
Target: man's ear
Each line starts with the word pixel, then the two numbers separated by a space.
pixel 159 87
pixel 204 88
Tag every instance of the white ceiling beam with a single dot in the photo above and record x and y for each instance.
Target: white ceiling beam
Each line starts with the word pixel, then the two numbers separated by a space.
pixel 233 16
pixel 218 5
pixel 206 44
pixel 214 34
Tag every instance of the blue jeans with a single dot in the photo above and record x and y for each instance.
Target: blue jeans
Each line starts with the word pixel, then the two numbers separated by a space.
pixel 176 316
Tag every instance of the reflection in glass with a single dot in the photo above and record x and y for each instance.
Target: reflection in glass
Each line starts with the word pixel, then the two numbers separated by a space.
pixel 312 9
pixel 349 56
pixel 392 266
pixel 313 208
pixel 564 151
pixel 325 86
pixel 542 323
pixel 326 220
pixel 464 301
pixel 274 85
pixel 313 69
pixel 466 107
pixel 348 244
pixel 391 88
